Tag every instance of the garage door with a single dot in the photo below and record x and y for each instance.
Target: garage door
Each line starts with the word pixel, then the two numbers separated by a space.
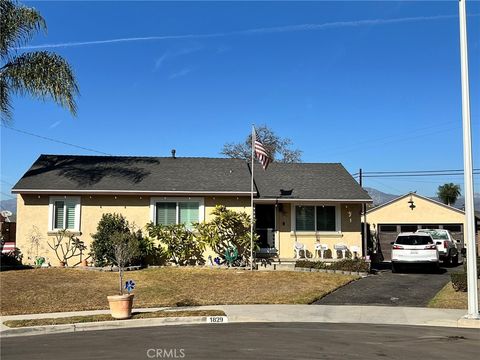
pixel 387 233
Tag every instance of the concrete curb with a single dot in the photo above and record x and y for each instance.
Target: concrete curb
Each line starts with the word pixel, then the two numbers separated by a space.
pixel 102 325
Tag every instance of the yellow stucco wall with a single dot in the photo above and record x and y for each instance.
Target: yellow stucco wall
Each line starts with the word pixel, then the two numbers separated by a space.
pixel 32 211
pixel 425 211
pixel 349 233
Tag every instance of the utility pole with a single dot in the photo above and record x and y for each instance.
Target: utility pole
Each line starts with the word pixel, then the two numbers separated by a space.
pixel 364 212
pixel 472 281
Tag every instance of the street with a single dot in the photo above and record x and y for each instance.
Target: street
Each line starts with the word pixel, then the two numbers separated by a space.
pixel 252 340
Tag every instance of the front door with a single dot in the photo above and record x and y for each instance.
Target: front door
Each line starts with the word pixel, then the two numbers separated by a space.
pixel 265 225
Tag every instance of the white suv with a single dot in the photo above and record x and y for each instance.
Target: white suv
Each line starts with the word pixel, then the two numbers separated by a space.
pixel 446 245
pixel 414 248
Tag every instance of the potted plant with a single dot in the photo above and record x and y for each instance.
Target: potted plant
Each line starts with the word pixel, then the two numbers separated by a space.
pixel 125 248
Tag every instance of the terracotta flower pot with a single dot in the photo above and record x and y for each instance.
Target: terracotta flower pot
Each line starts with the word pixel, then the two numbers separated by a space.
pixel 121 306
pixel 84 263
pixel 62 264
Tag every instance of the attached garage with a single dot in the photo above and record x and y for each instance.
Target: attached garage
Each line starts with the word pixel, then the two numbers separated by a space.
pixel 409 213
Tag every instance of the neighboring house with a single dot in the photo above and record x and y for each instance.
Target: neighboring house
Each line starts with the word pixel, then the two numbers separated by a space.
pixel 293 202
pixel 8 232
pixel 411 212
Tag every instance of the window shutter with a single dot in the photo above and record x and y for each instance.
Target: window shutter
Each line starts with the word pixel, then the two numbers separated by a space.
pixel 58 215
pixel 166 213
pixel 70 223
pixel 188 213
pixel 305 218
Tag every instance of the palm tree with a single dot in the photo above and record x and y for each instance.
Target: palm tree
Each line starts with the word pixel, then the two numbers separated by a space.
pixel 448 193
pixel 43 75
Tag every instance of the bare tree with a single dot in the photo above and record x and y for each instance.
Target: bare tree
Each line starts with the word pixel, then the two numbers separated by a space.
pixel 278 148
pixel 125 249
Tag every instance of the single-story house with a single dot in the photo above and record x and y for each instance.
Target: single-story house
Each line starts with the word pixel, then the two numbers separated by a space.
pixel 411 212
pixel 293 202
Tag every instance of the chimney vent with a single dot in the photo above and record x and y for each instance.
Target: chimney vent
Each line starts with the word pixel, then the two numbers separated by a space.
pixel 173 153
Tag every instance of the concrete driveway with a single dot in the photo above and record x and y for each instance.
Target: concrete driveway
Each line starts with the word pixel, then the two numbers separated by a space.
pixel 414 287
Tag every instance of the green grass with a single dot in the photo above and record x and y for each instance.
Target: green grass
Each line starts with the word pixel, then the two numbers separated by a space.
pixel 59 290
pixel 97 318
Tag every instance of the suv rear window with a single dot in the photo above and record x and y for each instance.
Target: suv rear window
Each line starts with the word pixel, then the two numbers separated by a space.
pixel 413 240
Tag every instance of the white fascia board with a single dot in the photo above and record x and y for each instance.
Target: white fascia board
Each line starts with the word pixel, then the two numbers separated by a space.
pixel 313 200
pixel 129 192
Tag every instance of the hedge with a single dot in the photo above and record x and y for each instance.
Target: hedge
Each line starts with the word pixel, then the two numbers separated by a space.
pixel 356 265
pixel 459 281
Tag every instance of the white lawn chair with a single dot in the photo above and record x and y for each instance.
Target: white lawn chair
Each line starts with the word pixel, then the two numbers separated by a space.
pixel 343 248
pixel 355 250
pixel 320 248
pixel 297 247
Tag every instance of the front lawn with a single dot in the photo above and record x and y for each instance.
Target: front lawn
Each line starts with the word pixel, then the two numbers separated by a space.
pixel 448 298
pixel 58 290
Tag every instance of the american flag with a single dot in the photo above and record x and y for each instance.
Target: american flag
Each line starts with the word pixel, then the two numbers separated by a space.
pixel 262 153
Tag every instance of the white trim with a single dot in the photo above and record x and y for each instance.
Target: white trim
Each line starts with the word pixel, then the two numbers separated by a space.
pixel 322 201
pixel 76 200
pixel 418 195
pixel 129 192
pixel 200 200
pixel 338 220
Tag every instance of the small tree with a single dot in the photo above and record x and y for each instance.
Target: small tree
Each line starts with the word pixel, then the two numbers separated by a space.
pixel 67 246
pixel 228 228
pixel 182 247
pixel 449 193
pixel 125 248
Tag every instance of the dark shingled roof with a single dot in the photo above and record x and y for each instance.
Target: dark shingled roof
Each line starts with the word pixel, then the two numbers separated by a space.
pixel 69 172
pixel 209 175
pixel 308 181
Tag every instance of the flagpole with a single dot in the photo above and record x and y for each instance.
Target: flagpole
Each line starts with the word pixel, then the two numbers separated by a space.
pixel 251 201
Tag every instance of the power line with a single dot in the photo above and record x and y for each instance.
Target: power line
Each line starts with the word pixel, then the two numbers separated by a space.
pixel 5 194
pixel 415 171
pixel 54 140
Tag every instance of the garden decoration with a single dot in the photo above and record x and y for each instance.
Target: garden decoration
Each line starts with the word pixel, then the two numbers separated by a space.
pixel 231 255
pixel 129 286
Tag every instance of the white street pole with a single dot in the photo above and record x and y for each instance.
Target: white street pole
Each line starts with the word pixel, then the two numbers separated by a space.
pixel 469 232
pixel 251 201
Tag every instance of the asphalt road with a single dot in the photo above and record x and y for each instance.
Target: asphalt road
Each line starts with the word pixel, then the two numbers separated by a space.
pixel 413 287
pixel 252 341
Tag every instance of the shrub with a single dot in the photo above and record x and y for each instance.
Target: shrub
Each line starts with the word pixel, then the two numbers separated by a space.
pixel 228 228
pixel 327 254
pixel 304 264
pixel 12 258
pixel 459 281
pixel 181 246
pixel 102 250
pixel 355 265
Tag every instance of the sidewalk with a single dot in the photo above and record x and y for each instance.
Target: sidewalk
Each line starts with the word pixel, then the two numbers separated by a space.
pixel 264 313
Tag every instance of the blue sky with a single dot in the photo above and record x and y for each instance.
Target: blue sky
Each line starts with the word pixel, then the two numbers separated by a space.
pixel 373 85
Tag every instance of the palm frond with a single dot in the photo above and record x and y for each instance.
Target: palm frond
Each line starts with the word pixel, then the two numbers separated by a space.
pixel 43 75
pixel 5 105
pixel 18 25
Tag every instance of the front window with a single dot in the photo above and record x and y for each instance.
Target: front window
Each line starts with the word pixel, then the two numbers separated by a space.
pixel 65 213
pixel 177 212
pixel 315 218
